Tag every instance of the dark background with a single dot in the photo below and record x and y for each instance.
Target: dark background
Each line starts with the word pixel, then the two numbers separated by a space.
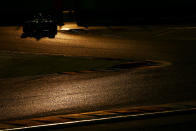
pixel 123 12
pixel 16 11
pixel 31 5
pixel 103 11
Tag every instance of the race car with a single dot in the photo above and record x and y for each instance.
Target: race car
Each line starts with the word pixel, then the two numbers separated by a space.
pixel 41 23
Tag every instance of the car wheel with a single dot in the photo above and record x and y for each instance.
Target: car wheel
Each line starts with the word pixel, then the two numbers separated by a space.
pixel 26 29
pixel 52 32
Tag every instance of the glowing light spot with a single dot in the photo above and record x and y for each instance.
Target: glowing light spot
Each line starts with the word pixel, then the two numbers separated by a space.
pixel 65 29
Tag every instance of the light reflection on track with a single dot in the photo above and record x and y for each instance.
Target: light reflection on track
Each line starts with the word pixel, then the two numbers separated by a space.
pixel 45 95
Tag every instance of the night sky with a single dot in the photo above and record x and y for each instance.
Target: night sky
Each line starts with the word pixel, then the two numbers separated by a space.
pixel 128 4
pixel 15 5
pixel 12 9
pixel 22 5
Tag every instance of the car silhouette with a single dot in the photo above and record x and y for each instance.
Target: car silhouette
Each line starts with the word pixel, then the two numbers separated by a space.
pixel 41 24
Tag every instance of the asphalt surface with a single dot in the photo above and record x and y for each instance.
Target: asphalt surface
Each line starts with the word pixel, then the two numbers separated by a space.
pixel 27 97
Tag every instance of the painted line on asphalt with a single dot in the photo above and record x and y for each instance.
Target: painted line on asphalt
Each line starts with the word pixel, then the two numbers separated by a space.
pixel 143 116
pixel 131 113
